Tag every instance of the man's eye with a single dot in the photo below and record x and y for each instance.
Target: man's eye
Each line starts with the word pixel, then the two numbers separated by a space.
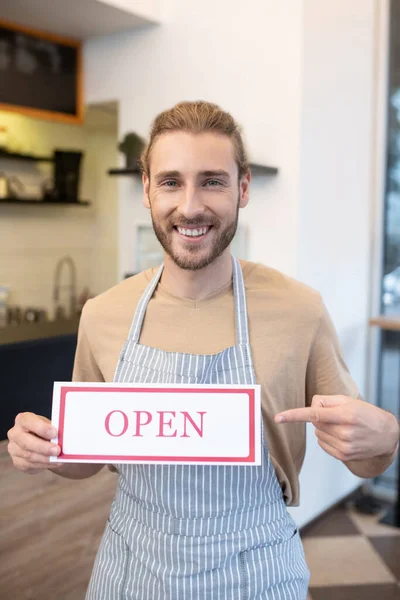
pixel 170 183
pixel 213 183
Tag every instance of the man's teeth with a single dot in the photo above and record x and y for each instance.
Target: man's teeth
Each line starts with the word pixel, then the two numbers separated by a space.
pixel 192 232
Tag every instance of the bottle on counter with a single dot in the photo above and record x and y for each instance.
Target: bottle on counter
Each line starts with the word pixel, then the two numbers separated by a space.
pixel 14 316
pixel 4 293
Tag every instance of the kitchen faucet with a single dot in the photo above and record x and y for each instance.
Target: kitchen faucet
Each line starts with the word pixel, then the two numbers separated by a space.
pixel 66 260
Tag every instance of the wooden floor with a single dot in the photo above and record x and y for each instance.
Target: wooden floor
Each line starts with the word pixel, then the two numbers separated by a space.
pixel 50 529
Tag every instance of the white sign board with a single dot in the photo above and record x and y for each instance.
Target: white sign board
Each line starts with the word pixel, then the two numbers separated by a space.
pixel 184 424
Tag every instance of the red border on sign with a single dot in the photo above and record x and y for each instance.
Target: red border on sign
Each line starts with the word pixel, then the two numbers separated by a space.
pixel 204 459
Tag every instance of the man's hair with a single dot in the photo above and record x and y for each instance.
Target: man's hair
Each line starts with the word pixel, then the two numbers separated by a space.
pixel 197 117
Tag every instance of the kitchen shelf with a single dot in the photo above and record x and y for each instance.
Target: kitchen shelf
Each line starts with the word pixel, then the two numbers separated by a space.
pixel 47 202
pixel 256 169
pixel 27 157
pixel 135 171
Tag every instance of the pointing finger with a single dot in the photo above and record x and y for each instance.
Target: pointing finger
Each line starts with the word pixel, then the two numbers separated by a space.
pixel 310 415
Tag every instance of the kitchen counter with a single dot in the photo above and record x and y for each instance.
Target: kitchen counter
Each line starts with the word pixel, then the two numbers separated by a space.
pixel 38 331
pixel 32 357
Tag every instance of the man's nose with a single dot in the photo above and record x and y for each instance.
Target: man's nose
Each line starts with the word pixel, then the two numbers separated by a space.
pixel 190 203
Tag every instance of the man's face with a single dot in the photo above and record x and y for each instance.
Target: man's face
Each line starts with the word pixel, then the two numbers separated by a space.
pixel 194 195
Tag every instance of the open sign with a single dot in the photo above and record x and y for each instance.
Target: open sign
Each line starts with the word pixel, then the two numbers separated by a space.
pixel 163 418
pixel 187 424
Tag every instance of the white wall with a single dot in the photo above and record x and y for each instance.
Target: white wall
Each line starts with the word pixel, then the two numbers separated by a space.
pixel 333 253
pixel 298 76
pixel 102 154
pixel 195 56
pixel 33 238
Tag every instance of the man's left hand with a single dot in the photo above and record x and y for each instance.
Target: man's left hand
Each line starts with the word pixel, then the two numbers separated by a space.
pixel 349 429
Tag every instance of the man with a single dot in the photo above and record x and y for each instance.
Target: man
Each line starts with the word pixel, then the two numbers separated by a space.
pixel 192 532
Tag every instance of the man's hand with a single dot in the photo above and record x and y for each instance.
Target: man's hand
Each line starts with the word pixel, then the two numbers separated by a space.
pixel 30 449
pixel 352 431
pixel 29 443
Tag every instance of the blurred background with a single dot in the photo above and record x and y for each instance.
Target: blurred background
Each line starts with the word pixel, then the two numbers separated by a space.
pixel 316 88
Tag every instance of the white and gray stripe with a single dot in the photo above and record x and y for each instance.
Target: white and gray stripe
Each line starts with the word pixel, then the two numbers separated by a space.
pixel 197 532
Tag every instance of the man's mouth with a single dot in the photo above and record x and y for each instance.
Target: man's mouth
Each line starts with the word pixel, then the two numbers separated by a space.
pixel 192 232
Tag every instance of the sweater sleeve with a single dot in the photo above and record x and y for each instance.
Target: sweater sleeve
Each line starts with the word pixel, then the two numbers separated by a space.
pixel 85 366
pixel 327 372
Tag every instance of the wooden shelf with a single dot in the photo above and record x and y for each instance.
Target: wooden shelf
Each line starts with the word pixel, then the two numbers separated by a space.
pixel 41 202
pixel 27 157
pixel 385 322
pixel 256 169
pixel 135 171
pixel 262 169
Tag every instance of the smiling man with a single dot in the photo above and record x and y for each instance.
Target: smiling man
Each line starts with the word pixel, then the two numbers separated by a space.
pixel 191 532
pixel 194 238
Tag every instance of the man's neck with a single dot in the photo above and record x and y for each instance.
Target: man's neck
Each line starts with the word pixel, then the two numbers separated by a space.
pixel 196 285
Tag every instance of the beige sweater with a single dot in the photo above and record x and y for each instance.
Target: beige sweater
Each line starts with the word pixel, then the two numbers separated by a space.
pixel 295 349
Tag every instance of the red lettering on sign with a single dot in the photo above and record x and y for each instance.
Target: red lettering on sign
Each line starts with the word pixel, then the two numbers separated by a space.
pixel 187 417
pixel 144 418
pixel 107 423
pixel 166 423
pixel 140 423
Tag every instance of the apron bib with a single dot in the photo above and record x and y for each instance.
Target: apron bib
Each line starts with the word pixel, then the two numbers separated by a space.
pixel 197 532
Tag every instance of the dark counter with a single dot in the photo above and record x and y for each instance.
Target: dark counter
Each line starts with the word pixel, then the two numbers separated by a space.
pixel 29 367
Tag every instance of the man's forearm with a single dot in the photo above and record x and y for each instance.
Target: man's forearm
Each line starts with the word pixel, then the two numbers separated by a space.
pixel 373 467
pixel 77 470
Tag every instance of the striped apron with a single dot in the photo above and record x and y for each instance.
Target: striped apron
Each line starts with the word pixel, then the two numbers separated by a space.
pixel 197 532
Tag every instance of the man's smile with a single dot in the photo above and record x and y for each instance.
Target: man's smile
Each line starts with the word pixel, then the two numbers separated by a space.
pixel 193 233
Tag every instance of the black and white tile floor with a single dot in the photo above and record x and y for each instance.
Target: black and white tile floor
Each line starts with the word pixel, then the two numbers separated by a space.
pixel 352 556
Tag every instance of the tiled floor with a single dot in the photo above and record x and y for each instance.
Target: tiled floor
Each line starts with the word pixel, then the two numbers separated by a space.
pixel 352 556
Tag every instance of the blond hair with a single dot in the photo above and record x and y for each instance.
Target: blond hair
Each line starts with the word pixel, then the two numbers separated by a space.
pixel 197 117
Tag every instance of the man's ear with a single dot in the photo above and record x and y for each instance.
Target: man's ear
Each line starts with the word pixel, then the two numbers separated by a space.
pixel 146 190
pixel 244 189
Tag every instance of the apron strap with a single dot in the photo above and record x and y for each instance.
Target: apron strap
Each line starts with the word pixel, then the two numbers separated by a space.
pixel 239 294
pixel 137 322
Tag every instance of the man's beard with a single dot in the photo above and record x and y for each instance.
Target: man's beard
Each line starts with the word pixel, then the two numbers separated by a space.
pixel 223 237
